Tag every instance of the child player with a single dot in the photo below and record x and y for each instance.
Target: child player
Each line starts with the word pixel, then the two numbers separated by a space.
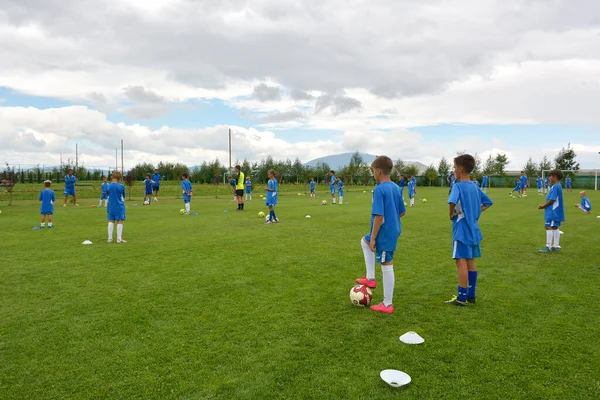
pixel 411 191
pixel 70 187
pixel 516 189
pixel 332 180
pixel 387 209
pixel 312 185
pixel 156 186
pixel 568 184
pixel 554 212
pixel 485 182
pixel 47 198
pixel 116 207
pixel 104 194
pixel 465 205
pixel 524 184
pixel 271 196
pixel 149 184
pixel 186 187
pixel 546 184
pixel 401 184
pixel 540 184
pixel 340 190
pixel 248 188
pixel 585 205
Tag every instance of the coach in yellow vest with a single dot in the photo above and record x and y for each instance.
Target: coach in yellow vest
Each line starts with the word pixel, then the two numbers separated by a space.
pixel 239 188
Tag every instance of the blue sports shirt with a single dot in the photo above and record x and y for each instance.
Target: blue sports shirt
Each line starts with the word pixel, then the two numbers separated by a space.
pixel 411 188
pixel 148 183
pixel 340 185
pixel 547 181
pixel 586 204
pixel 556 210
pixel 116 199
pixel 388 202
pixel 186 187
pixel 540 182
pixel 568 182
pixel 484 181
pixel 271 198
pixel 70 181
pixel 312 184
pixel 401 183
pixel 105 187
pixel 156 179
pixel 332 182
pixel 523 180
pixel 47 198
pixel 248 184
pixel 467 199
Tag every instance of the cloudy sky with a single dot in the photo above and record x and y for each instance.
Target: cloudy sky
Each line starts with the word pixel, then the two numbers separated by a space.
pixel 417 79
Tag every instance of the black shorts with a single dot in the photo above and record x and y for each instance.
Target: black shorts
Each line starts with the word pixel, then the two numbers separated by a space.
pixel 239 192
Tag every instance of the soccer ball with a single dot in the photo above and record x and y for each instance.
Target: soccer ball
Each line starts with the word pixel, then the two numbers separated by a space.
pixel 182 211
pixel 146 202
pixel 324 202
pixel 424 200
pixel 361 296
pixel 267 218
pixel 261 214
pixel 405 204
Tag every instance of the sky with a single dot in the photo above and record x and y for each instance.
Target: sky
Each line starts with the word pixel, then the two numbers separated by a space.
pixel 413 79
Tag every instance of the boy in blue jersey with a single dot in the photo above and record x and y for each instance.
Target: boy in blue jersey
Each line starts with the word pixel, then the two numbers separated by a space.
pixel 116 207
pixel 465 205
pixel 386 211
pixel 248 188
pixel 186 187
pixel 332 180
pixel 149 183
pixel 554 212
pixel 586 204
pixel 451 182
pixel 312 185
pixel 412 191
pixel 271 196
pixel 568 184
pixel 401 184
pixel 156 186
pixel 524 184
pixel 546 185
pixel 340 186
pixel 47 198
pixel 516 189
pixel 70 180
pixel 475 182
pixel 485 182
pixel 540 184
pixel 104 192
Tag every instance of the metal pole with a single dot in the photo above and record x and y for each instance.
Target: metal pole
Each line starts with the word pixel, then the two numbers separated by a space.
pixel 229 151
pixel 122 169
pixel 116 159
pixel 76 160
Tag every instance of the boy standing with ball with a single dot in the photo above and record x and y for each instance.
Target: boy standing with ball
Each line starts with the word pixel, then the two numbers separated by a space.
pixel 554 212
pixel 465 205
pixel 186 187
pixel 116 207
pixel 271 196
pixel 387 209
pixel 47 198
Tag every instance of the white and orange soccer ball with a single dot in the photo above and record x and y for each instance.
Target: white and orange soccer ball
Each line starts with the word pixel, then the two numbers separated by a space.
pixel 324 202
pixel 361 296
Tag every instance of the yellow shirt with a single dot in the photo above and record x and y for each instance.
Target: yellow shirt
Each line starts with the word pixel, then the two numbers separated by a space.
pixel 240 182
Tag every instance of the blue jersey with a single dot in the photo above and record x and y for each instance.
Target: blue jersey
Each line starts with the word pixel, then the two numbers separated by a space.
pixel 411 189
pixel 47 198
pixel 476 182
pixel 116 199
pixel 555 211
pixel 271 199
pixel 248 186
pixel 402 183
pixel 312 185
pixel 104 189
pixel 332 182
pixel 540 182
pixel 233 183
pixel 547 182
pixel 465 224
pixel 156 179
pixel 586 204
pixel 485 181
pixel 568 182
pixel 148 183
pixel 70 181
pixel 517 187
pixel 523 180
pixel 388 202
pixel 452 181
pixel 340 187
pixel 186 187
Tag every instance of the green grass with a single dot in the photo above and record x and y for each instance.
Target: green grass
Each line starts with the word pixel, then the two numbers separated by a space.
pixel 223 306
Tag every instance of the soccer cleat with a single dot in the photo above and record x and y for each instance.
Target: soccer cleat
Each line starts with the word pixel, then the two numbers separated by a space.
pixel 64 205
pixel 76 205
pixel 268 222
pixel 471 300
pixel 554 249
pixel 383 309
pixel 372 284
pixel 109 241
pixel 50 226
pixel 42 226
pixel 121 241
pixel 276 219
pixel 545 250
pixel 454 301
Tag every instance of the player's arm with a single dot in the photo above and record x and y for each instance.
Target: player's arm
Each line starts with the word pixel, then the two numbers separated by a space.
pixel 377 222
pixel 486 202
pixel 452 210
pixel 545 205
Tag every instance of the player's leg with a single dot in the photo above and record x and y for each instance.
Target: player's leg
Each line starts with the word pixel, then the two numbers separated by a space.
pixel 332 196
pixel 43 224
pixel 270 214
pixel 549 237
pixel 66 198
pixel 556 236
pixel 75 200
pixel 472 280
pixel 341 194
pixel 100 203
pixel 49 220
pixel 120 232
pixel 369 278
pixel 111 228
pixel 387 269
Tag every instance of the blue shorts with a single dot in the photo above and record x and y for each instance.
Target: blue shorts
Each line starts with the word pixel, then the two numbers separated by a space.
pixel 552 224
pixel 461 250
pixel 186 198
pixel 116 217
pixel 340 192
pixel 568 186
pixel 47 211
pixel 156 188
pixel 381 256
pixel 332 190
pixel 103 196
pixel 69 192
pixel 248 191
pixel 312 190
pixel 270 204
pixel 148 190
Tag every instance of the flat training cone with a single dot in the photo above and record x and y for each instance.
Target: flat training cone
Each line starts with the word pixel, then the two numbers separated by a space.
pixel 395 378
pixel 411 338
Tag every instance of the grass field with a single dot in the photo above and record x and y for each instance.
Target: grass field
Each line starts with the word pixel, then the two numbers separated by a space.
pixel 223 306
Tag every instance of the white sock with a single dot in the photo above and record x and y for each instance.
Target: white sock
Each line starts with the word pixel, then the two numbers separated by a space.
pixel 388 284
pixel 111 227
pixel 556 237
pixel 100 204
pixel 412 201
pixel 43 224
pixel 549 235
pixel 341 199
pixel 187 207
pixel 119 231
pixel 334 200
pixel 369 259
pixel 49 223
pixel 250 197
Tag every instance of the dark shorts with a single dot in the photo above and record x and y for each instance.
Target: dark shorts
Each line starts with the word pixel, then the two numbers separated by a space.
pixel 239 192
pixel 156 188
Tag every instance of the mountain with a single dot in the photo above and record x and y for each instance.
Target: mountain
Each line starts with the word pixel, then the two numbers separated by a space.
pixel 338 161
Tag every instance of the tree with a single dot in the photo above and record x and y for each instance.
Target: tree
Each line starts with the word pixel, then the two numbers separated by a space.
pixel 410 170
pixel 500 164
pixel 565 159
pixel 477 169
pixel 530 168
pixel 130 178
pixel 365 173
pixel 179 169
pixel 142 169
pixel 545 165
pixel 9 179
pixel 399 169
pixel 297 169
pixel 352 170
pixel 489 166
pixel 431 174
pixel 321 171
pixel 443 169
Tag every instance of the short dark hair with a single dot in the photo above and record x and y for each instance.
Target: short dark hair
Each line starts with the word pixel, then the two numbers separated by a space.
pixel 148 174
pixel 185 175
pixel 557 173
pixel 238 167
pixel 384 163
pixel 466 161
pixel 47 183
pixel 331 171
